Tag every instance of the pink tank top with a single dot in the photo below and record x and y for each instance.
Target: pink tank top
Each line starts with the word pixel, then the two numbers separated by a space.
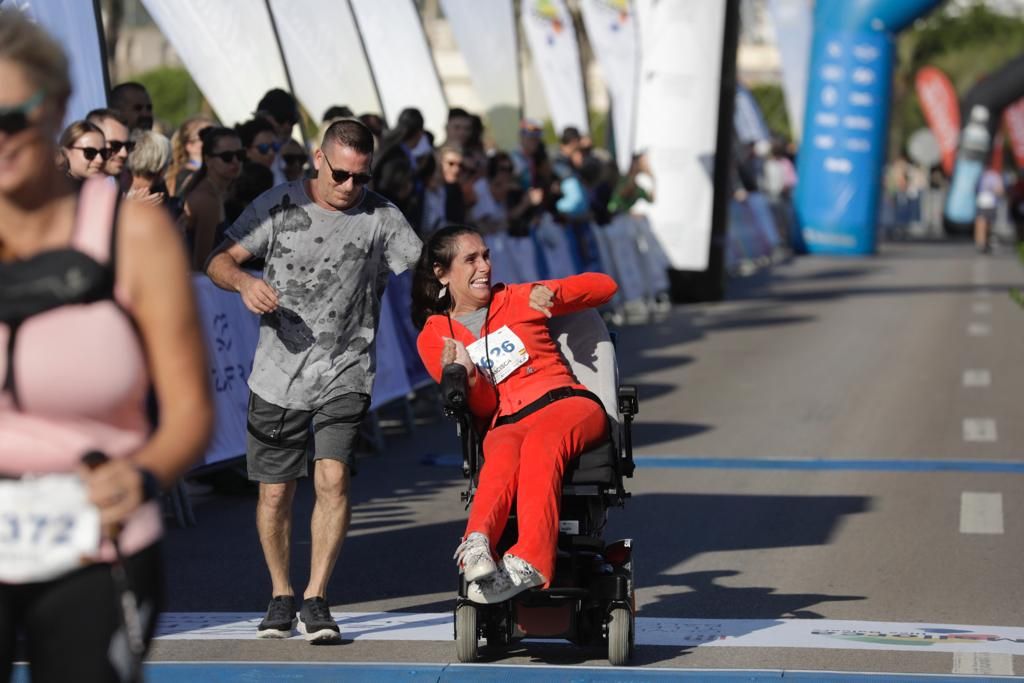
pixel 75 378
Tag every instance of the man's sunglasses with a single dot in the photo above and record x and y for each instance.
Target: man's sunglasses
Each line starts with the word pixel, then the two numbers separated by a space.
pixel 143 107
pixel 117 145
pixel 227 157
pixel 343 176
pixel 15 119
pixel 90 152
pixel 294 158
pixel 265 147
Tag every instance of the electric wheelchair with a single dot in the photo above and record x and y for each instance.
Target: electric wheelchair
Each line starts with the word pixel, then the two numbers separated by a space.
pixel 592 597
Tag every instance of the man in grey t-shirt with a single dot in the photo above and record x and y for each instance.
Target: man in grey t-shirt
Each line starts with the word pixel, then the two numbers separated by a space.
pixel 329 244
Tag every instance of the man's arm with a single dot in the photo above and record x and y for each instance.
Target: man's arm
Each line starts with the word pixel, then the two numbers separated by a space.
pixel 224 269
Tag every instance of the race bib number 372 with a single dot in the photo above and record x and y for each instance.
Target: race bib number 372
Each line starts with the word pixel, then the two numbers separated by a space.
pixel 498 354
pixel 47 527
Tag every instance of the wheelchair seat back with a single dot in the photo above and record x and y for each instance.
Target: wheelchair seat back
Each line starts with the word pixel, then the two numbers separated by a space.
pixel 583 339
pixel 587 347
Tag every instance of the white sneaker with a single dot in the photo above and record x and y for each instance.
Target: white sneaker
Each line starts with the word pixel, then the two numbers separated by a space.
pixel 474 557
pixel 514 576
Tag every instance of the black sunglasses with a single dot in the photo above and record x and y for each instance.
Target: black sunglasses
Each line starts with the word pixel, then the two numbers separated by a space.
pixel 15 119
pixel 294 158
pixel 117 145
pixel 343 176
pixel 226 157
pixel 90 152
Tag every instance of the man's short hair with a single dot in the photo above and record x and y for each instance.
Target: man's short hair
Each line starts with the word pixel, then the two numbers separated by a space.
pixel 151 155
pixel 458 113
pixel 98 116
pixel 337 111
pixel 281 105
pixel 350 133
pixel 570 134
pixel 121 89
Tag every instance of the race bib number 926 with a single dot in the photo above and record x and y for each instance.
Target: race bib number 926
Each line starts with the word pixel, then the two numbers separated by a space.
pixel 498 354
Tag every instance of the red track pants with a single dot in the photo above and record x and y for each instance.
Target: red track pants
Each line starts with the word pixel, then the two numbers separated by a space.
pixel 525 461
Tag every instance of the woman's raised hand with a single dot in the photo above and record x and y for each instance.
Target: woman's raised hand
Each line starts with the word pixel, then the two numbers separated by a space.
pixel 542 299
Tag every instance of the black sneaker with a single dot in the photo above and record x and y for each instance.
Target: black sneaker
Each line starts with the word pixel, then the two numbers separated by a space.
pixel 316 622
pixel 280 619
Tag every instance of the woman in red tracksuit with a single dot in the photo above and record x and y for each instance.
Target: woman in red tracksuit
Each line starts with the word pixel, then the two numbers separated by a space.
pixel 534 431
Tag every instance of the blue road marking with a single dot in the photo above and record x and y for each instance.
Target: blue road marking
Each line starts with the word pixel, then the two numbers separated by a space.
pixel 249 672
pixel 682 462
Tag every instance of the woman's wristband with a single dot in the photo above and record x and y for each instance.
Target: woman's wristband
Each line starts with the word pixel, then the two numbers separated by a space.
pixel 151 487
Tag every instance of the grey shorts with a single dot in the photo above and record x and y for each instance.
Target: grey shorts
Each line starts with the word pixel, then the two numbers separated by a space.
pixel 279 438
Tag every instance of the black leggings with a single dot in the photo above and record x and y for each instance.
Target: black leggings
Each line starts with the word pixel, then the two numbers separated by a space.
pixel 73 626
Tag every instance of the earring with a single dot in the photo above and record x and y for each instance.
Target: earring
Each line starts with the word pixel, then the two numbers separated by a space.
pixel 443 292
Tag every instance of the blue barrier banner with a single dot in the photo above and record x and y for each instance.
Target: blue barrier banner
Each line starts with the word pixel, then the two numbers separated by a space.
pixel 845 133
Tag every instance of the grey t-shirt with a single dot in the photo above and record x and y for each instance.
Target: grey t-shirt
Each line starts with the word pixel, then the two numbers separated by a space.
pixel 474 322
pixel 329 269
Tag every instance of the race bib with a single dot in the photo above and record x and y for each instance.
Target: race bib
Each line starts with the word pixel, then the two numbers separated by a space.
pixel 47 525
pixel 498 354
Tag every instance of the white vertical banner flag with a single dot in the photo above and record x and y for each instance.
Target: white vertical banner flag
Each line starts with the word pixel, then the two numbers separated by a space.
pixel 229 48
pixel 551 36
pixel 748 121
pixel 677 120
pixel 324 55
pixel 73 24
pixel 611 27
pixel 401 60
pixel 794 26
pixel 486 35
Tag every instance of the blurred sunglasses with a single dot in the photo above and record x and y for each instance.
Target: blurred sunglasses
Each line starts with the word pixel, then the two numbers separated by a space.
pixel 343 176
pixel 90 152
pixel 116 146
pixel 15 119
pixel 143 107
pixel 265 147
pixel 294 158
pixel 229 156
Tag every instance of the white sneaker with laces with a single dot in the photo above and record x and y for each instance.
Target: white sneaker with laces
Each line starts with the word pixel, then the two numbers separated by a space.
pixel 514 576
pixel 474 557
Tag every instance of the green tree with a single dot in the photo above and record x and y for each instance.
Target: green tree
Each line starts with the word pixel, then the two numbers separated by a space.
pixel 175 96
pixel 965 43
pixel 770 99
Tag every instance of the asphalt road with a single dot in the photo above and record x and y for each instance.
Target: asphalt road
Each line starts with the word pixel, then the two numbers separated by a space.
pixel 820 362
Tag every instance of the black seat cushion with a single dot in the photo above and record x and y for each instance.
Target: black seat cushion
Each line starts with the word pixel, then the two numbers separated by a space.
pixel 596 466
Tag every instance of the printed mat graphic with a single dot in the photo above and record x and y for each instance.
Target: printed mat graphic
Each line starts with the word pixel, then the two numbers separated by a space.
pixel 804 633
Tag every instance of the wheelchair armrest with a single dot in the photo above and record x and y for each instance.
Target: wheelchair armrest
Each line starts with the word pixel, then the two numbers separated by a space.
pixel 629 400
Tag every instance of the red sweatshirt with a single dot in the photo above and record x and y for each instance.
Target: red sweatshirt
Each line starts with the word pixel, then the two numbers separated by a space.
pixel 510 305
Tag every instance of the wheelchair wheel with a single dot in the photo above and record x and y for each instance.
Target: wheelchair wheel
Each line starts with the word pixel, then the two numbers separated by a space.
pixel 620 636
pixel 467 641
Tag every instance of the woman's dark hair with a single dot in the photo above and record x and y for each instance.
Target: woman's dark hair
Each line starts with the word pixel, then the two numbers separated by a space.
pixel 438 250
pixel 248 131
pixel 209 137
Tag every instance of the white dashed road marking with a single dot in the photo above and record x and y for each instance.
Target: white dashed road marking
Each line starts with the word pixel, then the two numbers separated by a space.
pixel 980 429
pixel 981 513
pixel 977 378
pixel 979 329
pixel 981 307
